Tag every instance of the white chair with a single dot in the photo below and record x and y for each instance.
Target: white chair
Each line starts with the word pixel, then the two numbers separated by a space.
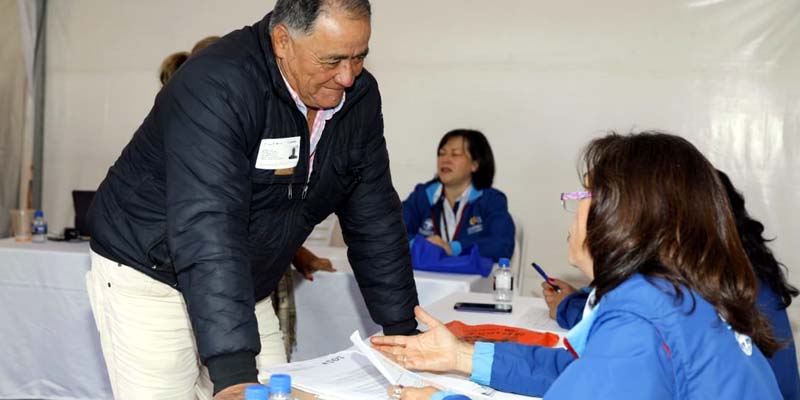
pixel 517 262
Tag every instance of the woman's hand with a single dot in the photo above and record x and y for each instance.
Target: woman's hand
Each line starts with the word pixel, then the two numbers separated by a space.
pixel 437 240
pixel 436 350
pixel 553 298
pixel 411 393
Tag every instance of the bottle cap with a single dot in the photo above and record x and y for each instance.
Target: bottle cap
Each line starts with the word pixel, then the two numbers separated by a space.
pixel 280 383
pixel 38 214
pixel 503 262
pixel 256 392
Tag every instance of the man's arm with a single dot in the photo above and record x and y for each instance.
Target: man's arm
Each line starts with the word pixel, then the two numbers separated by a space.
pixel 412 214
pixel 208 201
pixel 372 226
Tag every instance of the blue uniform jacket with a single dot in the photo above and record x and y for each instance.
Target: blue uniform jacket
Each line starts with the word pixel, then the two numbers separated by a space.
pixel 783 363
pixel 641 344
pixel 485 221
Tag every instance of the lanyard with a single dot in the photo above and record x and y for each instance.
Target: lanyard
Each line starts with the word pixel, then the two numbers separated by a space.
pixel 450 219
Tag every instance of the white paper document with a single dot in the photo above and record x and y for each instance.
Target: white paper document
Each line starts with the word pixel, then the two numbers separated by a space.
pixel 539 319
pixel 362 373
pixel 341 376
pixel 396 374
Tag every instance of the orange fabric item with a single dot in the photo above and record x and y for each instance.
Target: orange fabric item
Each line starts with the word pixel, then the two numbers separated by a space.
pixel 501 333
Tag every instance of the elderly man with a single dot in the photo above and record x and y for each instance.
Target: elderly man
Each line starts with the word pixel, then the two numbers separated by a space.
pixel 198 218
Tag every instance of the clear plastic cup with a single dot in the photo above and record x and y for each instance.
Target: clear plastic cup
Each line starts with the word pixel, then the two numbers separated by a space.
pixel 21 221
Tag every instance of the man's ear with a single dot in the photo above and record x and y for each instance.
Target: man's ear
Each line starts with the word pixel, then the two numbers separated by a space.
pixel 281 41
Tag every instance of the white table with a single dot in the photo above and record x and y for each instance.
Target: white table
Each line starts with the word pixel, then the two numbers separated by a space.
pixel 45 315
pixel 49 347
pixel 331 307
pixel 526 312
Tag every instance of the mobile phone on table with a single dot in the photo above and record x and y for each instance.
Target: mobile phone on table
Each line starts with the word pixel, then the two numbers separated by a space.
pixel 483 307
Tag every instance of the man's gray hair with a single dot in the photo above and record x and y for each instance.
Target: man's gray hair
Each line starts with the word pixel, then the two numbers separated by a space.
pixel 299 15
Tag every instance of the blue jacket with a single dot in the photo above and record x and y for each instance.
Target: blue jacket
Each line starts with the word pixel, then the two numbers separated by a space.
pixel 485 221
pixel 639 343
pixel 783 363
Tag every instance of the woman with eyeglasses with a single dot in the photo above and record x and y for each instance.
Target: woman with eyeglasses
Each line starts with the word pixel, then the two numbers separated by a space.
pixel 459 208
pixel 774 295
pixel 673 311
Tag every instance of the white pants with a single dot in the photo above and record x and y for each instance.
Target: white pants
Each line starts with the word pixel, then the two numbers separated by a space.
pixel 147 339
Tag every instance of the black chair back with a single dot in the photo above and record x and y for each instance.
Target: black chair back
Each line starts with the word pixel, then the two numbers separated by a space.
pixel 82 199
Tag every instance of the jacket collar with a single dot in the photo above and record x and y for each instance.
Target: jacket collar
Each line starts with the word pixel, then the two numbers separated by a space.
pixel 433 193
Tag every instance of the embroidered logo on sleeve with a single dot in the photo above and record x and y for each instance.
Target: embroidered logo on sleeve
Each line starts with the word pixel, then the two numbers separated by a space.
pixel 745 343
pixel 427 227
pixel 475 225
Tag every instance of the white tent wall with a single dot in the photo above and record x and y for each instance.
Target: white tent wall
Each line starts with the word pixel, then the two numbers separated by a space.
pixel 540 78
pixel 13 81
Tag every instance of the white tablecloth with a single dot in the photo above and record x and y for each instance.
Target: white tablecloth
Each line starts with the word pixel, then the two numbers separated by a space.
pixel 49 346
pixel 526 312
pixel 331 307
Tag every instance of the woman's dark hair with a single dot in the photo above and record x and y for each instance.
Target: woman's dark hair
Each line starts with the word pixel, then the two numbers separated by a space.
pixel 766 267
pixel 659 209
pixel 479 150
pixel 170 65
pixel 174 61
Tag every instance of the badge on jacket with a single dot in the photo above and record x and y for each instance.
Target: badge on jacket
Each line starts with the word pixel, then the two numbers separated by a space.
pixel 475 225
pixel 280 153
pixel 427 227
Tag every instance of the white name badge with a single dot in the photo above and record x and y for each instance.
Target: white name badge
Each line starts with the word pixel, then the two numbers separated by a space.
pixel 278 153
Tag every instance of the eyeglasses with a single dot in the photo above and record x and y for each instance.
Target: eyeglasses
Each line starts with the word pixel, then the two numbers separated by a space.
pixel 570 199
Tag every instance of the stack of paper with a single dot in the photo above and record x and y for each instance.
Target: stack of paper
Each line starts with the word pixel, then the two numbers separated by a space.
pixel 363 373
pixel 341 376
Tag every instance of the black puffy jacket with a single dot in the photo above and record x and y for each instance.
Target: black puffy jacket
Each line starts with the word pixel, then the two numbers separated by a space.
pixel 185 204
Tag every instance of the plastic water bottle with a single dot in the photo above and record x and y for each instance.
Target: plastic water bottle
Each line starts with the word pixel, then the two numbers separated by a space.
pixel 39 227
pixel 256 392
pixel 503 282
pixel 280 387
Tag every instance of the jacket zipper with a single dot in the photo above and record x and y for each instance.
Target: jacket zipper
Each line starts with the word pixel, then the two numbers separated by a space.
pixel 305 187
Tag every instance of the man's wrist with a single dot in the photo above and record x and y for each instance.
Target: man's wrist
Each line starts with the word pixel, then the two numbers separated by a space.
pixel 231 369
pixel 404 328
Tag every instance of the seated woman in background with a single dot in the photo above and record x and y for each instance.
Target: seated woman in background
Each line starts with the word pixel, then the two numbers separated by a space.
pixel 673 311
pixel 459 208
pixel 774 295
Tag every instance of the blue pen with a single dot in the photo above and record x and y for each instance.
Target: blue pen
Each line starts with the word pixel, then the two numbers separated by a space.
pixel 546 278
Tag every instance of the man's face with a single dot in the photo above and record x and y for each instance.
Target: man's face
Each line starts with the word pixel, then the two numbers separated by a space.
pixel 321 65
